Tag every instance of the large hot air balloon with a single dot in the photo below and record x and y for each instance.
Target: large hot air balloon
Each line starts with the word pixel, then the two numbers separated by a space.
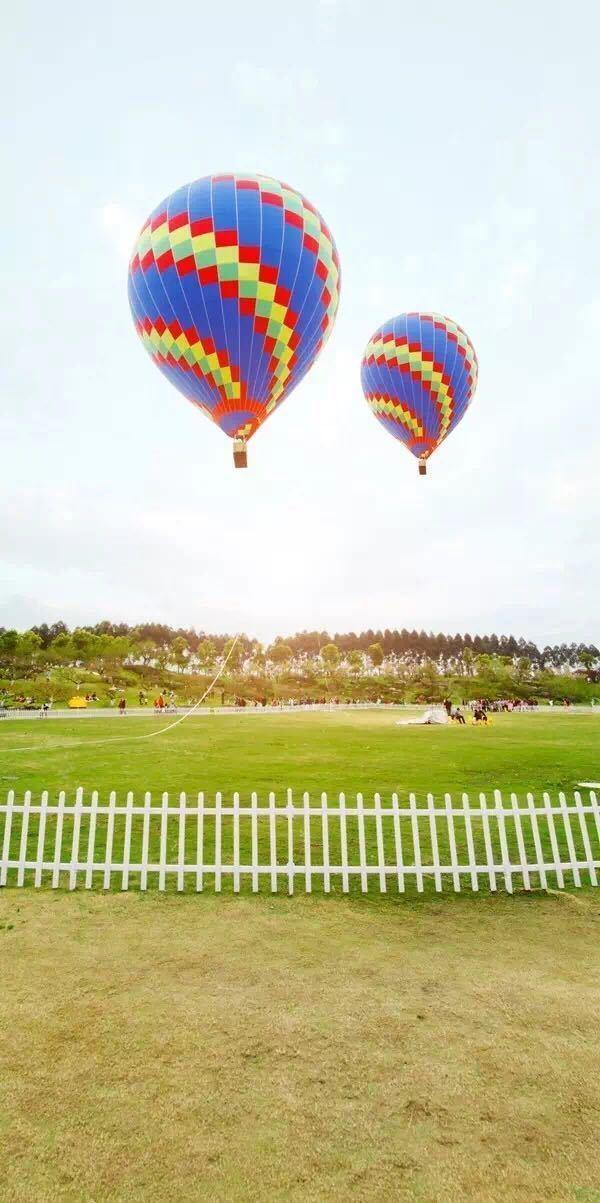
pixel 234 287
pixel 419 373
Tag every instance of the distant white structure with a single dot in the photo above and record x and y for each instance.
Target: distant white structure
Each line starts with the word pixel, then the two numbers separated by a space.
pixel 430 718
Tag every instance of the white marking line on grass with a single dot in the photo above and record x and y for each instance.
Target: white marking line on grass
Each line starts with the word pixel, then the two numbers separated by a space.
pixel 588 784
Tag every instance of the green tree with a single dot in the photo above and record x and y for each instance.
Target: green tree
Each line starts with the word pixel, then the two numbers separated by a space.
pixel 355 661
pixel 29 645
pixel 163 656
pixel 9 643
pixel 111 651
pixel 375 654
pixel 206 653
pixel 236 656
pixel 523 669
pixel 61 648
pixel 280 653
pixel 259 658
pixel 144 650
pixel 468 660
pixel 587 659
pixel 82 643
pixel 180 651
pixel 330 655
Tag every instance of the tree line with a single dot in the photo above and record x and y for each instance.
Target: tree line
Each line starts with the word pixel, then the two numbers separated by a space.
pixel 108 643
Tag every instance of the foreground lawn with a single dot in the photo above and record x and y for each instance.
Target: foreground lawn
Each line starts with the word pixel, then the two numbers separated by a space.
pixel 173 1048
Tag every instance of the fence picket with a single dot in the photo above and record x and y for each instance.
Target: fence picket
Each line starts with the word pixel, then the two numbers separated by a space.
pixel 570 841
pixel 585 836
pixel 556 857
pixel 164 820
pixel 307 855
pixel 236 843
pixel 290 842
pixel 254 841
pixel 506 868
pixel 398 844
pixel 41 840
pixel 181 843
pixel 537 843
pixel 487 839
pixel 8 817
pixel 58 840
pixel 110 830
pixel 344 844
pixel 23 841
pixel 452 842
pixel 91 844
pixel 414 825
pixel 273 843
pixel 75 842
pixel 514 802
pixel 362 851
pixel 145 841
pixel 218 822
pixel 200 844
pixel 380 849
pixel 325 843
pixel 596 813
pixel 435 850
pixel 127 842
pixel 470 842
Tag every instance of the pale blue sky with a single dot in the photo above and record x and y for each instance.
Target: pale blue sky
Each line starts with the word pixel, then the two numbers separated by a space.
pixel 452 148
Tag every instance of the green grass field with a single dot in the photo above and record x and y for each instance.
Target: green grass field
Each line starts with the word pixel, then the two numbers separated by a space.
pixel 335 751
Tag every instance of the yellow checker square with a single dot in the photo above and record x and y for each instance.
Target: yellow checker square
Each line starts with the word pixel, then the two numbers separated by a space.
pixel 265 292
pixel 160 232
pixel 227 254
pixel 203 242
pixel 180 235
pixel 248 271
pixel 285 334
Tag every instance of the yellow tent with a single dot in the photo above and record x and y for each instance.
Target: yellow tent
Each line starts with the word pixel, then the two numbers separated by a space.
pixel 77 704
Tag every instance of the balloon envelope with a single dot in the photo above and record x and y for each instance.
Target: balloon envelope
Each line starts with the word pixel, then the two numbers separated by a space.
pixel 234 287
pixel 419 373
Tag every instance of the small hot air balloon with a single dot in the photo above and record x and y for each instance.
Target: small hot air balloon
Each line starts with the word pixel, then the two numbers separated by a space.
pixel 234 287
pixel 419 374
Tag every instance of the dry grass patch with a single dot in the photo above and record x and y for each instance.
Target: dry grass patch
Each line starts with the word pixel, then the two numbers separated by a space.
pixel 241 1049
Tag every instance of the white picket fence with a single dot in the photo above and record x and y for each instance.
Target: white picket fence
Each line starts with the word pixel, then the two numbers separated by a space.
pixel 198 843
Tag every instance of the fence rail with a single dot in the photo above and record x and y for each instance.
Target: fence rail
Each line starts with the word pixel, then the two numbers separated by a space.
pixel 403 846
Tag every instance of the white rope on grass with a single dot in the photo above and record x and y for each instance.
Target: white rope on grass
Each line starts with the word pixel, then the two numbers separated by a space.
pixel 119 739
